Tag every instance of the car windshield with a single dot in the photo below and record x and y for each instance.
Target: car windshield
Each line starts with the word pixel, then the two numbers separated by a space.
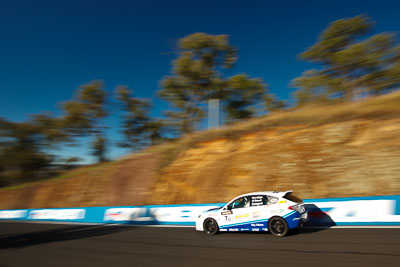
pixel 291 197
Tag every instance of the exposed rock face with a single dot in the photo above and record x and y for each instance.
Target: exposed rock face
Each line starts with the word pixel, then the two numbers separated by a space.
pixel 354 158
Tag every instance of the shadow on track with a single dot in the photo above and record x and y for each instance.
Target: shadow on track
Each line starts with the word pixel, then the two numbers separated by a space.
pixel 56 235
pixel 319 220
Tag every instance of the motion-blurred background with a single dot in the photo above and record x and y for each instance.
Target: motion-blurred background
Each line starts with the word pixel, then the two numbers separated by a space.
pixel 108 103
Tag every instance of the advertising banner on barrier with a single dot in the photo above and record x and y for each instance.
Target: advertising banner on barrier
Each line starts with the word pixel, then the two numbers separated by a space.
pixel 178 214
pixel 383 210
pixel 355 211
pixel 13 214
pixel 57 214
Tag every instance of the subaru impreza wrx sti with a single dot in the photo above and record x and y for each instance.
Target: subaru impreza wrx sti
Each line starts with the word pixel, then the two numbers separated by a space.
pixel 277 212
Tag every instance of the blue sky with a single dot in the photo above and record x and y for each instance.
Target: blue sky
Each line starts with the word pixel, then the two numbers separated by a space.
pixel 49 48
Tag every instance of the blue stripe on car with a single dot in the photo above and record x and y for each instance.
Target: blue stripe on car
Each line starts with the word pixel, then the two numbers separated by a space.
pixel 242 224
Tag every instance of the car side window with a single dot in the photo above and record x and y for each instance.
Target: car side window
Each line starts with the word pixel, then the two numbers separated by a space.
pixel 241 202
pixel 259 200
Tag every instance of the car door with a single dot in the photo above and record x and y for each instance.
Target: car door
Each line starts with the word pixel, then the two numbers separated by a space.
pixel 259 212
pixel 236 214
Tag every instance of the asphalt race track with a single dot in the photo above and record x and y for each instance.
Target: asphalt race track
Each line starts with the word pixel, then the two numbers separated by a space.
pixel 33 244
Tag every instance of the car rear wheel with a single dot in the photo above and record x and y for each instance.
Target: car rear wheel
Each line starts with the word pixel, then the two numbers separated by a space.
pixel 210 226
pixel 278 226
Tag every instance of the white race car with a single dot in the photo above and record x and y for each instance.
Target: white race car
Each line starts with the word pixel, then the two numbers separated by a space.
pixel 277 212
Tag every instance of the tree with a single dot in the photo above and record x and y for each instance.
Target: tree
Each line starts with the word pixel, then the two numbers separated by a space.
pixel 272 103
pixel 185 101
pixel 21 151
pixel 25 147
pixel 156 129
pixel 99 148
pixel 138 128
pixel 349 67
pixel 242 93
pixel 199 76
pixel 83 115
pixel 51 128
pixel 315 87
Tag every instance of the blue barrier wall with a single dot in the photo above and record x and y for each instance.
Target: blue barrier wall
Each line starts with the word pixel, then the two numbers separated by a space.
pixel 380 210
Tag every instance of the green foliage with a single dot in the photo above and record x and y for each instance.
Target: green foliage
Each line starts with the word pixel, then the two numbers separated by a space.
pixel 198 75
pixel 349 67
pixel 84 114
pixel 99 148
pixel 138 128
pixel 315 87
pixel 335 38
pixel 241 94
pixel 272 103
pixel 392 73
pixel 155 129
pixel 51 128
pixel 185 101
pixel 21 151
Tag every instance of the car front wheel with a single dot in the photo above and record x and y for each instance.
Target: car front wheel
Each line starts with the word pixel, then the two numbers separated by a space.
pixel 278 226
pixel 210 226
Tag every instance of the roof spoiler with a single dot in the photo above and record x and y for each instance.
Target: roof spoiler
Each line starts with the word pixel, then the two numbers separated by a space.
pixel 282 193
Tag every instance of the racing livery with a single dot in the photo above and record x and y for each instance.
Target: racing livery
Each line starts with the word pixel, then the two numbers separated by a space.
pixel 277 212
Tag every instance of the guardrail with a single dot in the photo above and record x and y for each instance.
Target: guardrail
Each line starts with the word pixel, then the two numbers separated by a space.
pixel 380 210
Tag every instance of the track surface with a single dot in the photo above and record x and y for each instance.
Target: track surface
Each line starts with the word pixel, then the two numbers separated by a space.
pixel 30 244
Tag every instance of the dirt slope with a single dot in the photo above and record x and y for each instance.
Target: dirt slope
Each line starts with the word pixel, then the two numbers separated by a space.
pixel 327 151
pixel 124 182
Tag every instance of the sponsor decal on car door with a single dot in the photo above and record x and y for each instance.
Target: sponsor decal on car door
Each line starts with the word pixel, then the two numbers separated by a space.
pixel 236 215
pixel 259 210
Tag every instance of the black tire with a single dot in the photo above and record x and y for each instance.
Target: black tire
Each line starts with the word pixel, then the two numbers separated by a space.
pixel 210 226
pixel 278 226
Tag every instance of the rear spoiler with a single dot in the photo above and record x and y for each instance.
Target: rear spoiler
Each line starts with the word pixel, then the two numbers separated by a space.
pixel 283 193
pixel 288 195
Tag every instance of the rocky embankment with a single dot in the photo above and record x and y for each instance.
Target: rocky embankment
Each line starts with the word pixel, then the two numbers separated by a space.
pixel 353 158
pixel 351 150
